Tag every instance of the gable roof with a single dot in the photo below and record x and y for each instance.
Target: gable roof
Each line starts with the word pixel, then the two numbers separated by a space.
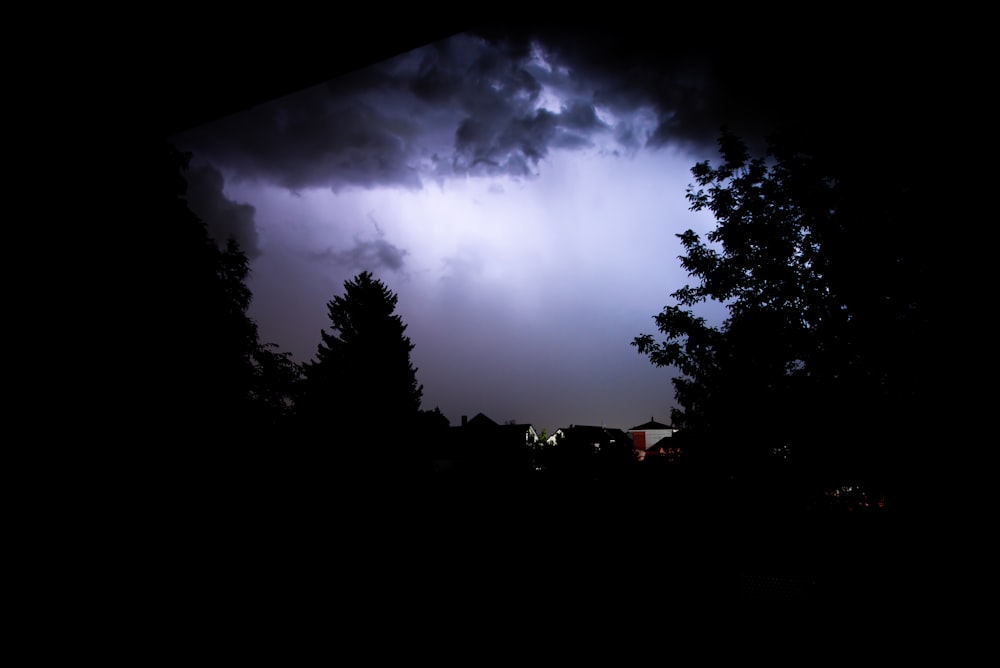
pixel 480 421
pixel 618 434
pixel 652 424
pixel 516 431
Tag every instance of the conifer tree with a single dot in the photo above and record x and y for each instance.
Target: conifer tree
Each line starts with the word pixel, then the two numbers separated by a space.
pixel 362 382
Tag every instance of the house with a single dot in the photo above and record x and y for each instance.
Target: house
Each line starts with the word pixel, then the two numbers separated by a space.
pixel 648 438
pixel 482 445
pixel 586 449
pixel 481 427
pixel 597 438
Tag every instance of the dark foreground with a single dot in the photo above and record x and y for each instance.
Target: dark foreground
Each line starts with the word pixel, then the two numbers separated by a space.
pixel 447 554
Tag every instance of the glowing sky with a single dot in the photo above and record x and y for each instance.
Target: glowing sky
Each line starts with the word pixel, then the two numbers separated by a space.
pixel 521 194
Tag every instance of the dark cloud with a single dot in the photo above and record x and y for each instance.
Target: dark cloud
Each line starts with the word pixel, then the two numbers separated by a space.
pixel 580 115
pixel 310 140
pixel 223 217
pixel 461 106
pixel 629 136
pixel 514 147
pixel 441 73
pixel 756 74
pixel 497 100
pixel 366 254
pixel 626 68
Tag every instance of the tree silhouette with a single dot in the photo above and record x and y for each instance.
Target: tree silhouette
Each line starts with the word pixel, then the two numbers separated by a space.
pixel 224 383
pixel 361 386
pixel 813 364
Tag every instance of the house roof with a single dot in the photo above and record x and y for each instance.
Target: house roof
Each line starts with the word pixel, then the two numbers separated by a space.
pixel 652 424
pixel 618 434
pixel 479 420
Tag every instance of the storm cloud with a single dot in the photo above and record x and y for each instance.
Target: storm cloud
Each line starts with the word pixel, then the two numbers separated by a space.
pixel 529 185
pixel 365 255
pixel 223 217
pixel 474 104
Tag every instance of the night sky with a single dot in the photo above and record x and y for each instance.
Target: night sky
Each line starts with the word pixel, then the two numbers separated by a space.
pixel 520 190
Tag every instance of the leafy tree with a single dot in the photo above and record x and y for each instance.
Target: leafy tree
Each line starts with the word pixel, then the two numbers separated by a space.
pixel 223 381
pixel 361 384
pixel 826 308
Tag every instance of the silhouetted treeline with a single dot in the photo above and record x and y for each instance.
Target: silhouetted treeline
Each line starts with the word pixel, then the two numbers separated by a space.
pixel 243 475
pixel 220 385
pixel 219 389
pixel 818 371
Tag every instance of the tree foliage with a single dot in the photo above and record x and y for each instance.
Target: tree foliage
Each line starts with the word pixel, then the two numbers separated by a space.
pixel 223 380
pixel 362 381
pixel 813 363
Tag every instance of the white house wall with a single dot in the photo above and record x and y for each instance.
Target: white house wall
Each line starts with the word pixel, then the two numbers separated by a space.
pixel 653 435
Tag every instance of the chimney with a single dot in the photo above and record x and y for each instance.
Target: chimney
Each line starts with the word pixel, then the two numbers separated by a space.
pixel 465 420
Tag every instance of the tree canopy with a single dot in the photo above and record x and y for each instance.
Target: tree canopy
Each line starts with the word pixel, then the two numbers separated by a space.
pixel 218 377
pixel 362 380
pixel 813 364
